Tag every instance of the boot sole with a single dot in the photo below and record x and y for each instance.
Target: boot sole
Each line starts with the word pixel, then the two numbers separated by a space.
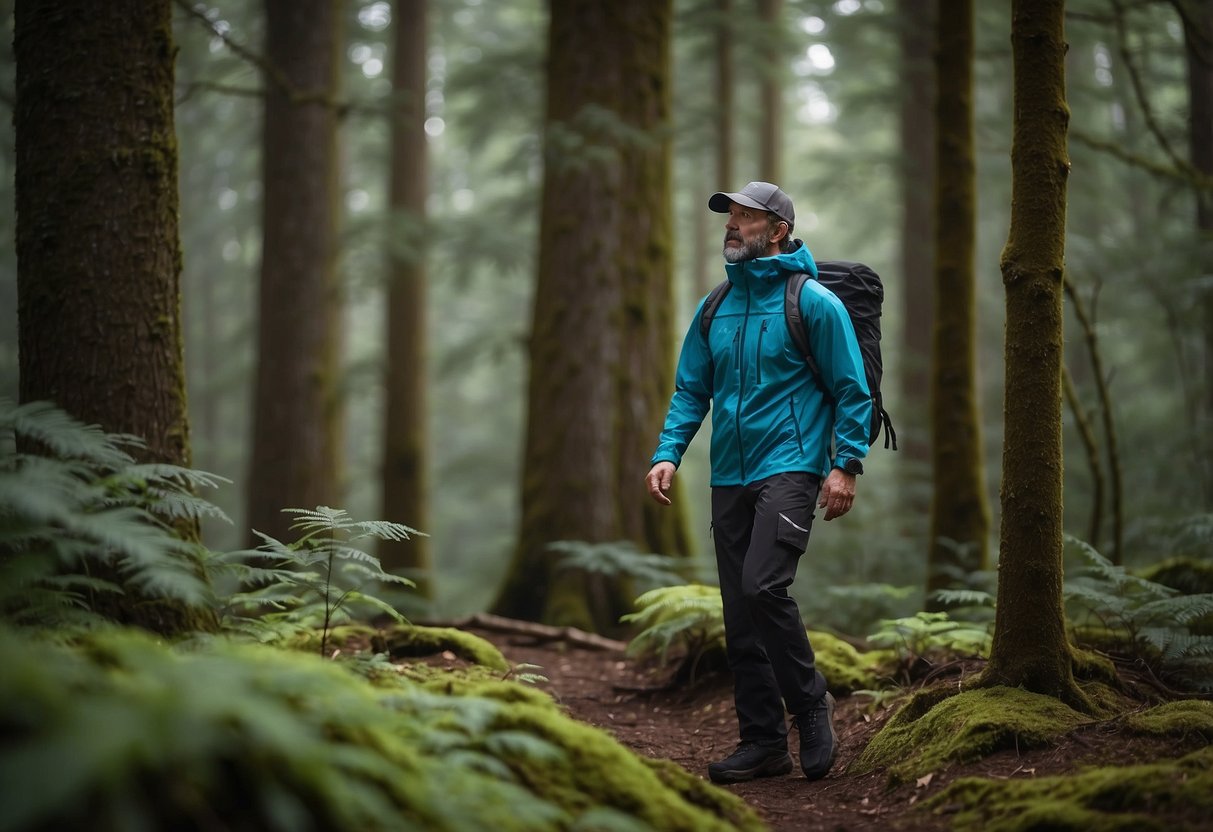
pixel 770 768
pixel 817 775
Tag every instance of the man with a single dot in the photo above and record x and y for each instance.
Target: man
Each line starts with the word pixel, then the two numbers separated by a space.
pixel 773 427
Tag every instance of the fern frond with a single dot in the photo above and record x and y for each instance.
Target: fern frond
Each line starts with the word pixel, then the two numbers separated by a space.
pixel 963 598
pixel 65 436
pixel 1183 609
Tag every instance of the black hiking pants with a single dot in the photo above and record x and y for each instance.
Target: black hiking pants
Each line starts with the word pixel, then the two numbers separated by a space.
pixel 760 531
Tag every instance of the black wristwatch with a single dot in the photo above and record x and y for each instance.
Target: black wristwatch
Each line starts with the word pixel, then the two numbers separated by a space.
pixel 852 466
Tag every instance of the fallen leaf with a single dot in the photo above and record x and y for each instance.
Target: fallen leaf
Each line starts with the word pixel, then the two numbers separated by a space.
pixel 924 781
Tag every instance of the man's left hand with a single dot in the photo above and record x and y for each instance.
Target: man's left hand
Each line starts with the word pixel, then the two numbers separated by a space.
pixel 837 493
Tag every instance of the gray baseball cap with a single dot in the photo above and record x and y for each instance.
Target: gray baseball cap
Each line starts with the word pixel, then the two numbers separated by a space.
pixel 761 195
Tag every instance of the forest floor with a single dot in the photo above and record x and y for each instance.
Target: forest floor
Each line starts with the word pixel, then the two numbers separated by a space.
pixel 695 726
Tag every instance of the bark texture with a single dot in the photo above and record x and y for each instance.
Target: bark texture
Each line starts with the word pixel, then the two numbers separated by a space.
pixel 960 513
pixel 98 252
pixel 1198 32
pixel 917 126
pixel 1030 648
pixel 600 350
pixel 770 162
pixel 296 400
pixel 405 458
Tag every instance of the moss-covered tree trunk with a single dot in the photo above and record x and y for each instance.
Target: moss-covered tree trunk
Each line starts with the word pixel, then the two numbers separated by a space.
pixel 405 468
pixel 1198 34
pixel 960 513
pixel 1030 648
pixel 98 252
pixel 296 400
pixel 770 92
pixel 600 349
pixel 916 22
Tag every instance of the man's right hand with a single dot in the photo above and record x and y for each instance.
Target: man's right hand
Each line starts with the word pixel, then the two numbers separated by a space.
pixel 660 477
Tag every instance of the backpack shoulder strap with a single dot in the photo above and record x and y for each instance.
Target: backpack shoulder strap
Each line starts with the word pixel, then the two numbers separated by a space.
pixel 796 328
pixel 711 304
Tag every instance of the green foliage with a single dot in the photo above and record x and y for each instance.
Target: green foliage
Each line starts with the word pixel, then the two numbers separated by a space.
pixel 924 636
pixel 1145 620
pixel 857 608
pixel 938 727
pixel 314 581
pixel 124 732
pixel 79 519
pixel 618 559
pixel 689 617
pixel 1162 795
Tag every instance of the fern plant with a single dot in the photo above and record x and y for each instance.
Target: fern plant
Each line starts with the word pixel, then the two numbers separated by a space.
pixel 689 617
pixel 1151 622
pixel 919 637
pixel 81 507
pixel 314 581
pixel 620 558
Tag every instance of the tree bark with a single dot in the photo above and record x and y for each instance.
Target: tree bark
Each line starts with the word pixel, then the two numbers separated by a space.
pixel 98 251
pixel 960 514
pixel 296 399
pixel 917 126
pixel 770 162
pixel 405 459
pixel 1030 646
pixel 1198 32
pixel 601 346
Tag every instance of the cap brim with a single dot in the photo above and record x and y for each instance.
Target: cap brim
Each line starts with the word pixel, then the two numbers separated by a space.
pixel 720 202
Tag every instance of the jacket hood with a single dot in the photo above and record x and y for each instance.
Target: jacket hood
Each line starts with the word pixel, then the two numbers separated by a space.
pixel 799 259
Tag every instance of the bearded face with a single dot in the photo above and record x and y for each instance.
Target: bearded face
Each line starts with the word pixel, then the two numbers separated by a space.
pixel 738 248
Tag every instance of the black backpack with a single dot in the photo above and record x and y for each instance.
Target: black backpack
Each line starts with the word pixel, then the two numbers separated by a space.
pixel 861 292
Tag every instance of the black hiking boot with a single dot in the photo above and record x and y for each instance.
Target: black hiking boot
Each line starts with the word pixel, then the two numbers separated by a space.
pixel 818 741
pixel 751 761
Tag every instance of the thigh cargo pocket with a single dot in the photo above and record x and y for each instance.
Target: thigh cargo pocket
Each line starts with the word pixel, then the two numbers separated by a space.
pixel 793 534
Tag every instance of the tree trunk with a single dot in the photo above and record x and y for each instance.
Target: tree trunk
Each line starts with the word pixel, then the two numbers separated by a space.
pixel 1198 31
pixel 296 400
pixel 770 139
pixel 600 349
pixel 1030 648
pixel 917 124
pixel 960 515
pixel 405 480
pixel 98 252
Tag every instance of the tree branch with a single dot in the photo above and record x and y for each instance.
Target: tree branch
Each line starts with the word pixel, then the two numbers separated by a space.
pixel 1184 174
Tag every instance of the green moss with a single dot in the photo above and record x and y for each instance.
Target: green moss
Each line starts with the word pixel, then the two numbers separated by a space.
pixel 122 731
pixel 597 771
pixel 1191 576
pixel 845 668
pixel 1165 795
pixel 1181 719
pixel 939 727
pixel 409 640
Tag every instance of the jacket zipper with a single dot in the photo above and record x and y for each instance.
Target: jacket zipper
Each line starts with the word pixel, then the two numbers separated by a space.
pixel 736 412
pixel 758 361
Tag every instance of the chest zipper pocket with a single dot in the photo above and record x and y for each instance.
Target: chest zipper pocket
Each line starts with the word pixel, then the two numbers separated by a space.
pixel 758 361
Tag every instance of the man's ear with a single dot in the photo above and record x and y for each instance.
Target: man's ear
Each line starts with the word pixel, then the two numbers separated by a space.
pixel 781 234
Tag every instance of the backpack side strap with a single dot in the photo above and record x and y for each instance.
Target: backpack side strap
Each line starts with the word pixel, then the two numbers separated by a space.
pixel 710 305
pixel 796 329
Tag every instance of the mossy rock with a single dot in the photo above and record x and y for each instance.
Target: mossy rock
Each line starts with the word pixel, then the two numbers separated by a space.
pixel 122 732
pixel 939 727
pixel 846 669
pixel 407 640
pixel 1167 795
pixel 597 771
pixel 1182 719
pixel 1188 575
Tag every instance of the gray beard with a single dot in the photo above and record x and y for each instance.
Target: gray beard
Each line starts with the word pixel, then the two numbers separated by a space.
pixel 747 251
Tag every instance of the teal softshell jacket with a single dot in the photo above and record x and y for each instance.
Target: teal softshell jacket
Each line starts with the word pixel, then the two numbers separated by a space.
pixel 769 415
